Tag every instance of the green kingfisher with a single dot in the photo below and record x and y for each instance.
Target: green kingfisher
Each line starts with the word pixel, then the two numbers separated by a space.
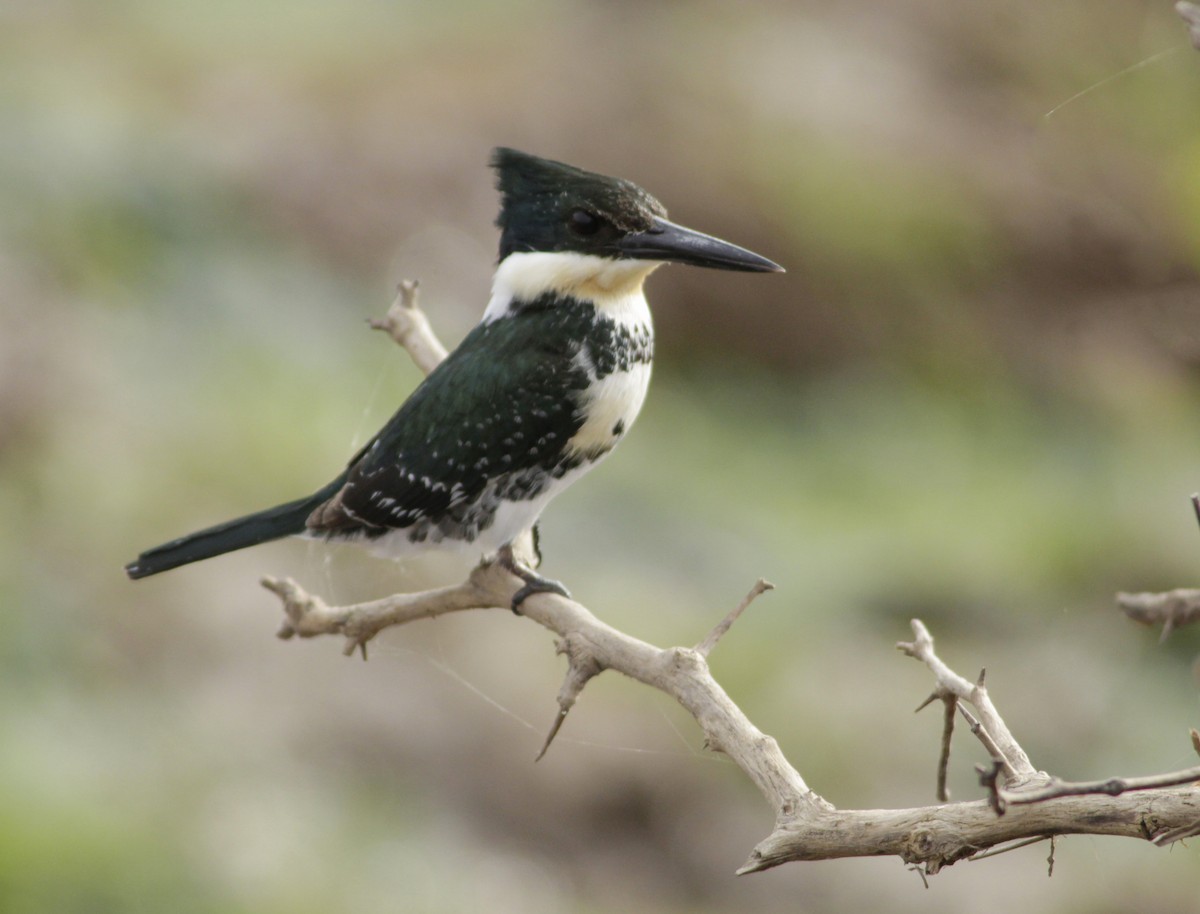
pixel 541 390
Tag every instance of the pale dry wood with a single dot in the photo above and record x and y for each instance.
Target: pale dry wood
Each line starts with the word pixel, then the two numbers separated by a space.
pixel 1000 743
pixel 704 648
pixel 1109 786
pixel 1171 609
pixel 680 672
pixel 1031 805
pixel 936 836
pixel 1190 13
pixel 309 616
pixel 807 827
pixel 407 324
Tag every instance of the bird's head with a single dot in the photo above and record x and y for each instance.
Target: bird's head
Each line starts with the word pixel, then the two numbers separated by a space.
pixel 551 207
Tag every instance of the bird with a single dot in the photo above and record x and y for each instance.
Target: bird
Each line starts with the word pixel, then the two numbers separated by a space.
pixel 536 395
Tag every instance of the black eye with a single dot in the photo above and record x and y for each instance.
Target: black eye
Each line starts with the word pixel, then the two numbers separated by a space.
pixel 581 222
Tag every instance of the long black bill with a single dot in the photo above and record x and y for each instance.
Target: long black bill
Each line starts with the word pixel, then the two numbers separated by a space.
pixel 668 241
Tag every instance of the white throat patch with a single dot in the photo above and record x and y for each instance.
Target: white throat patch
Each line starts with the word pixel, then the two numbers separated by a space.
pixel 613 286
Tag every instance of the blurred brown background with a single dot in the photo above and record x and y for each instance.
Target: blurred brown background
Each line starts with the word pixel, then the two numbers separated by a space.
pixel 973 397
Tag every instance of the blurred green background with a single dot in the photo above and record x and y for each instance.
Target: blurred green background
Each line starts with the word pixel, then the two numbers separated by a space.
pixel 972 398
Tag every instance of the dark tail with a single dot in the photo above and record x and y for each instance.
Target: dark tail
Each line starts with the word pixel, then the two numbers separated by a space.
pixel 272 524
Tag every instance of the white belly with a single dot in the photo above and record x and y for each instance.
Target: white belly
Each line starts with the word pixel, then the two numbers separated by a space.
pixel 611 405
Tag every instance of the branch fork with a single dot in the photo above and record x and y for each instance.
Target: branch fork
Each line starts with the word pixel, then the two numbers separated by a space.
pixel 991 729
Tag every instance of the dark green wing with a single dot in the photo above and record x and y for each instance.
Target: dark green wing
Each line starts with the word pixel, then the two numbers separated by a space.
pixel 505 401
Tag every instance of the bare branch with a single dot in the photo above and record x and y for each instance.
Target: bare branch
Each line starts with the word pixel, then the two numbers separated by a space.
pixel 581 668
pixel 1170 836
pixel 593 646
pixel 309 616
pixel 1190 12
pixel 950 706
pixel 1017 766
pixel 1109 787
pixel 704 648
pixel 989 780
pixel 807 827
pixel 1016 845
pixel 949 710
pixel 981 734
pixel 1170 609
pixel 407 324
pixel 937 836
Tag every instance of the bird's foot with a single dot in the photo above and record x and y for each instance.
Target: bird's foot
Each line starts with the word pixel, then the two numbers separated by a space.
pixel 534 582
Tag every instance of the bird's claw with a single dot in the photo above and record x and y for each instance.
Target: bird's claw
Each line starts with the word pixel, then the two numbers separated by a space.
pixel 537 584
pixel 534 582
